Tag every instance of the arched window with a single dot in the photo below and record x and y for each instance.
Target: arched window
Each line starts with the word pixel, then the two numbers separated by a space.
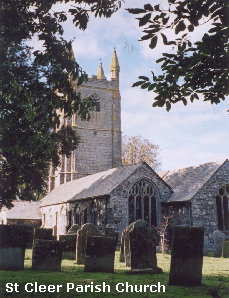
pixel 77 215
pixel 93 216
pixel 142 202
pixel 222 206
pixel 96 100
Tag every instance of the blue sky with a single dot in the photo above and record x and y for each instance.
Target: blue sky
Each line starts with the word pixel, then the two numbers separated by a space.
pixel 187 136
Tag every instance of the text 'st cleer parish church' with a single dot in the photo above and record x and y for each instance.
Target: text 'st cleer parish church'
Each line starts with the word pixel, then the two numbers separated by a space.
pixel 92 186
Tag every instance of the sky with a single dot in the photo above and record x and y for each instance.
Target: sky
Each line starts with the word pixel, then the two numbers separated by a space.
pixel 187 135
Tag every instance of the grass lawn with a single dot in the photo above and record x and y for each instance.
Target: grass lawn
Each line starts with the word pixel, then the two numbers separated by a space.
pixel 215 281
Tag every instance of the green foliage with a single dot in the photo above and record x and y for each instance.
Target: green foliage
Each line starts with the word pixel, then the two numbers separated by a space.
pixel 199 68
pixel 35 89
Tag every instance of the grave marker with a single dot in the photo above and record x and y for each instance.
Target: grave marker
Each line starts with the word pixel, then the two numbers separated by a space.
pixel 82 234
pixel 47 255
pixel 100 254
pixel 186 256
pixel 218 238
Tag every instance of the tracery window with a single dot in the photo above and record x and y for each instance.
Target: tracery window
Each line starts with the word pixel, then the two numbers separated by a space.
pixel 96 100
pixel 142 202
pixel 93 217
pixel 222 205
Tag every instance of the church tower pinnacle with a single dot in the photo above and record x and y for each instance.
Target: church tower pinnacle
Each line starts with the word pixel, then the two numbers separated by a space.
pixel 100 72
pixel 114 67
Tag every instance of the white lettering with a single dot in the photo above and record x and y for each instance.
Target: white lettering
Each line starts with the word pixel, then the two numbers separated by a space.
pixel 136 288
pixel 51 288
pixel 159 285
pixel 145 287
pixel 70 286
pixel 151 288
pixel 97 287
pixel 106 286
pixel 80 288
pixel 58 288
pixel 42 288
pixel 131 287
pixel 26 287
pixel 9 287
pixel 117 289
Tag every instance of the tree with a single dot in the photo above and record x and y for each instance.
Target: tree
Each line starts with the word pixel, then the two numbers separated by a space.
pixel 196 68
pixel 35 87
pixel 137 149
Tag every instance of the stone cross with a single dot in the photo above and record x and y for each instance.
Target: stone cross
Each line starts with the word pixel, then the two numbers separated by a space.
pixel 218 238
pixel 186 256
pixel 87 230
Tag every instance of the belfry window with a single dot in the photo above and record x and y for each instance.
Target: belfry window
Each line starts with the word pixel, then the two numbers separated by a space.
pixel 96 106
pixel 142 203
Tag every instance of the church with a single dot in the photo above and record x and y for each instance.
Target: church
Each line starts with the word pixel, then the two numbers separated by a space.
pixel 92 186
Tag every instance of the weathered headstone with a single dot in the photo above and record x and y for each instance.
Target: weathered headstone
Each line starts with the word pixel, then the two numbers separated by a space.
pixel 82 234
pixel 143 241
pixel 110 232
pixel 226 249
pixel 121 257
pixel 47 255
pixel 12 247
pixel 100 254
pixel 127 244
pixel 186 256
pixel 69 246
pixel 218 238
pixel 205 249
pixel 73 229
pixel 44 234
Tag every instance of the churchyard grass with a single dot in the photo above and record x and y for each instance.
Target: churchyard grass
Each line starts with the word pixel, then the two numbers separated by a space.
pixel 215 282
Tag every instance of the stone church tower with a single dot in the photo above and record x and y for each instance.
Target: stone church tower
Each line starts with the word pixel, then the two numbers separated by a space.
pixel 100 146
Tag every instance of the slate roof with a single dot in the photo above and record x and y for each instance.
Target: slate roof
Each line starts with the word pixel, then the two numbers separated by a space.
pixel 23 210
pixel 99 184
pixel 186 182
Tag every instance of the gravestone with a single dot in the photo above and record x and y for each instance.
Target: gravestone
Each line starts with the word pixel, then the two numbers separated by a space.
pixel 226 249
pixel 205 249
pixel 69 246
pixel 82 234
pixel 186 256
pixel 218 238
pixel 110 232
pixel 13 240
pixel 121 257
pixel 127 244
pixel 73 229
pixel 100 254
pixel 143 241
pixel 45 234
pixel 47 255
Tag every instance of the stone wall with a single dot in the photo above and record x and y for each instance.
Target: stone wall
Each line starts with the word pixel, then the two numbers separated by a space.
pixel 117 208
pixel 204 209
